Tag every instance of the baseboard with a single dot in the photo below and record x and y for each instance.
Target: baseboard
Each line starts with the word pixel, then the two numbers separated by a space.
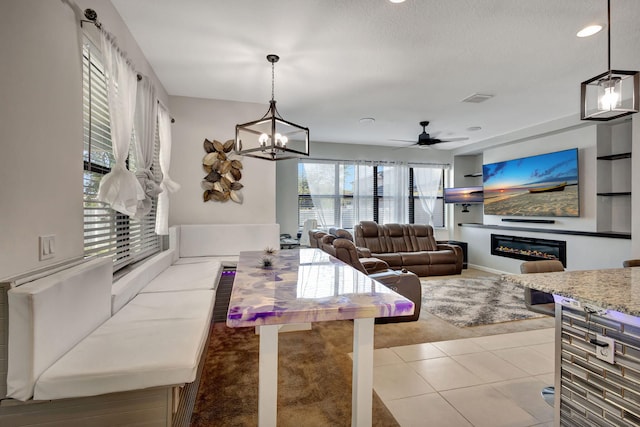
pixel 488 270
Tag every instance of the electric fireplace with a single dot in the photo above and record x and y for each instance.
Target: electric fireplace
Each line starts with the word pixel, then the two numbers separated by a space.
pixel 528 248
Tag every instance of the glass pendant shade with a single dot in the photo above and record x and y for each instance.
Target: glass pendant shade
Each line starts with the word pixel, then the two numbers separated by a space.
pixel 272 137
pixel 610 95
pixel 613 93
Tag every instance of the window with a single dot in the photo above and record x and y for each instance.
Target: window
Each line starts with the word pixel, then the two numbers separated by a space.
pixel 346 193
pixel 107 232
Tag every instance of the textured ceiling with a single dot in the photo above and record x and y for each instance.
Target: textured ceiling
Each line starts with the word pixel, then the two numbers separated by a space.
pixel 343 60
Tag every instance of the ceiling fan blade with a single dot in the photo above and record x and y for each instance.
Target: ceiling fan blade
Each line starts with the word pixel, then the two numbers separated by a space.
pixel 462 138
pixel 404 140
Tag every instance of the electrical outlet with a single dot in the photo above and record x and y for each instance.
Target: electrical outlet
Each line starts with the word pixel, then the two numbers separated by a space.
pixel 607 352
pixel 47 247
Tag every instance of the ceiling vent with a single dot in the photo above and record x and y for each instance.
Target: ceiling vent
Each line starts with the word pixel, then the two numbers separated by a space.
pixel 477 98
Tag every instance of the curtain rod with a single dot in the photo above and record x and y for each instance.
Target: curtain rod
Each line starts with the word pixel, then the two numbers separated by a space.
pixel 445 165
pixel 92 18
pixel 165 107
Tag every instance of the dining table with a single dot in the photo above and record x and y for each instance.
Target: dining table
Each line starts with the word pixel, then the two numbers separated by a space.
pixel 276 288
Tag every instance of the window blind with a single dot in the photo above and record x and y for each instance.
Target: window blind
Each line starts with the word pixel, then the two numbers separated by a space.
pixel 108 233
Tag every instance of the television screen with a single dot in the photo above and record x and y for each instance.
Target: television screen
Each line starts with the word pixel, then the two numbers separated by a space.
pixel 542 185
pixel 463 195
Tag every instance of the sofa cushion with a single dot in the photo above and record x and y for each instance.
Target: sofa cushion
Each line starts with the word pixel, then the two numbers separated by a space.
pixel 396 238
pixel 442 257
pixel 154 340
pixel 187 277
pixel 415 258
pixel 50 315
pixel 421 236
pixel 394 260
pixel 370 235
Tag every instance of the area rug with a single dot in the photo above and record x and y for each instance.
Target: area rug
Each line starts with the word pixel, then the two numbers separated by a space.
pixel 475 301
pixel 314 379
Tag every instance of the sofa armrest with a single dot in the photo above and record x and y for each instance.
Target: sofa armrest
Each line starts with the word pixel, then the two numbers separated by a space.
pixel 363 252
pixel 456 250
pixel 374 265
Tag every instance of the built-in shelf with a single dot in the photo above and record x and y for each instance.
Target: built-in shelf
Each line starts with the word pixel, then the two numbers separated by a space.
pixel 615 156
pixel 473 175
pixel 615 193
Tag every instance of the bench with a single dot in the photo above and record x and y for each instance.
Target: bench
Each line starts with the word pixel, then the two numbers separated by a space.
pixel 86 350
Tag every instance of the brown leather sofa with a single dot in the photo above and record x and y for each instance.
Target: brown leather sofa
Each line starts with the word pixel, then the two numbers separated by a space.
pixel 403 282
pixel 409 246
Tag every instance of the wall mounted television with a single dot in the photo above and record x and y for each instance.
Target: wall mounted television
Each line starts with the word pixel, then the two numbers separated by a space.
pixel 464 195
pixel 541 185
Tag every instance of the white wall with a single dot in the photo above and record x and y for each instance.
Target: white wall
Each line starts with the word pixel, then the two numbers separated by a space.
pixel 41 126
pixel 583 252
pixel 197 119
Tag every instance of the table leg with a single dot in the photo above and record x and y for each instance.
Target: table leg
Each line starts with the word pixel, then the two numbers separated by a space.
pixel 268 376
pixel 362 387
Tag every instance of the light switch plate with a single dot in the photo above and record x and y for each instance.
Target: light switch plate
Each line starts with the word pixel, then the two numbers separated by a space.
pixel 47 247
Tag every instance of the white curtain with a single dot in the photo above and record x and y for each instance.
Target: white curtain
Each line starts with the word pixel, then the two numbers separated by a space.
pixel 363 192
pixel 427 182
pixel 395 194
pixel 145 130
pixel 321 178
pixel 167 185
pixel 120 187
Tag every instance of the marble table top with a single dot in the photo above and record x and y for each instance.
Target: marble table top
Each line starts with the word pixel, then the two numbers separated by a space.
pixel 616 289
pixel 306 285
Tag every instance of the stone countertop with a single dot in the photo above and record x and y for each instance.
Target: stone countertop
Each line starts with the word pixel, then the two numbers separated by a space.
pixel 616 289
pixel 306 285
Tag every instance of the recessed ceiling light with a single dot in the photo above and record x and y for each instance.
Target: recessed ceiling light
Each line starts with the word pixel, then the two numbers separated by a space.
pixel 367 121
pixel 589 31
pixel 397 1
pixel 473 128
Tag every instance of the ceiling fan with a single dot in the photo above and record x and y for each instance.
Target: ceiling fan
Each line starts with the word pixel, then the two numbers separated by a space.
pixel 426 140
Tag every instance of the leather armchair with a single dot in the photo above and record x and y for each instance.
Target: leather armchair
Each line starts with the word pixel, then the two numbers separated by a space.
pixel 403 282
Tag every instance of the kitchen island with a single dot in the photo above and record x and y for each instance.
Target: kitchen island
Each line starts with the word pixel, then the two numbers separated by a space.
pixel 597 375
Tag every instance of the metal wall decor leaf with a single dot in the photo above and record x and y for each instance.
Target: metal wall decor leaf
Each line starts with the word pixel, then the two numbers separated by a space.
pixel 223 173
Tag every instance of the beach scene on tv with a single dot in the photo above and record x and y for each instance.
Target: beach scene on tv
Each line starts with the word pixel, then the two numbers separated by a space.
pixel 542 185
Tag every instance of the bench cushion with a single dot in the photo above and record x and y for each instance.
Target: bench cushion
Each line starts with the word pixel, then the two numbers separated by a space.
pixel 128 286
pixel 154 340
pixel 187 277
pixel 50 315
pixel 226 239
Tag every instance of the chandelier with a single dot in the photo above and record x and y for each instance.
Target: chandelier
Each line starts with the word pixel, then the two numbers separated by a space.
pixel 271 137
pixel 611 94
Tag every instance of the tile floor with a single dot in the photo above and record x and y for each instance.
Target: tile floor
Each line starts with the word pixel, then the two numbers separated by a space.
pixel 490 381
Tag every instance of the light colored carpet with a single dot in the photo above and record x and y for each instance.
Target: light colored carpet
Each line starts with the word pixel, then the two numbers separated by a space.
pixel 475 301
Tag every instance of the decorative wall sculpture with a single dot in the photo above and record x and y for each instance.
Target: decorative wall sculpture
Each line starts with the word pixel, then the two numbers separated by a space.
pixel 222 181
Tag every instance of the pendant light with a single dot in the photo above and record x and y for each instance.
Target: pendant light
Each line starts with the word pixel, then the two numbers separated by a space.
pixel 272 137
